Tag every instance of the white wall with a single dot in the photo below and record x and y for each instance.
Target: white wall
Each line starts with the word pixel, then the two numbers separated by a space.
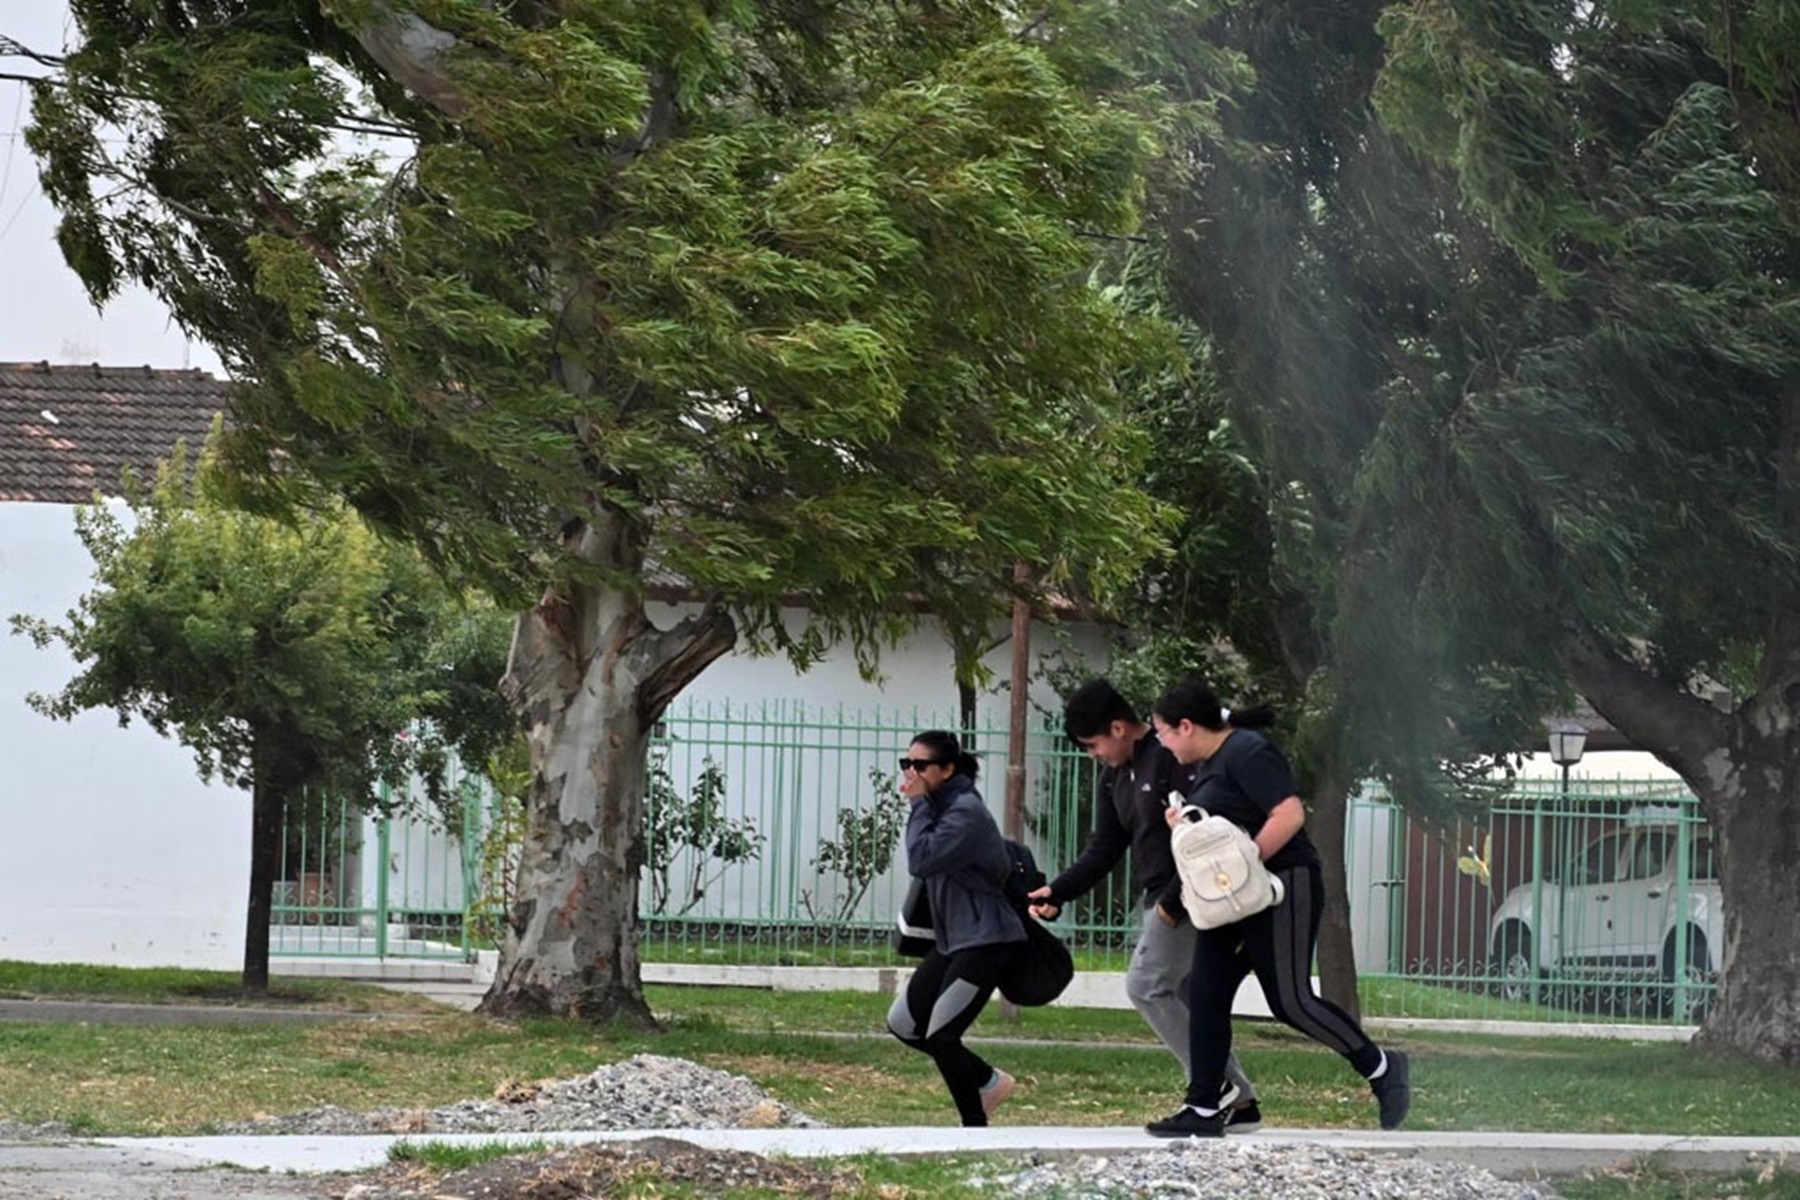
pixel 1604 764
pixel 915 673
pixel 111 848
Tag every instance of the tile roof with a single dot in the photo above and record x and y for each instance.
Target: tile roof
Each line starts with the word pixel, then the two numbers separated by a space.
pixel 68 431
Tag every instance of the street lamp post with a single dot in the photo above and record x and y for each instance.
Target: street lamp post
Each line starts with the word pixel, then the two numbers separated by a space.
pixel 1567 742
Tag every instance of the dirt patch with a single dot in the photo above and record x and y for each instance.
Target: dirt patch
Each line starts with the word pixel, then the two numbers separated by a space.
pixel 594 1172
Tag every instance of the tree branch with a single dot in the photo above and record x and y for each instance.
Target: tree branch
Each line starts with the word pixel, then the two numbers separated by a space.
pixel 1645 709
pixel 680 654
pixel 416 54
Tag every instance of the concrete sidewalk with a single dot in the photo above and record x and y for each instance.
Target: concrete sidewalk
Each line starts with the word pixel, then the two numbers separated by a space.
pixel 1511 1155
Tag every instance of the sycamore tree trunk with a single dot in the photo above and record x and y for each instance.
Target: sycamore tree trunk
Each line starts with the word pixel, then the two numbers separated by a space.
pixel 1754 812
pixel 592 675
pixel 1745 767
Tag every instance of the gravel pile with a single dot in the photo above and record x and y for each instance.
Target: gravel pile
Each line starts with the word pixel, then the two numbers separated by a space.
pixel 1238 1169
pixel 649 1091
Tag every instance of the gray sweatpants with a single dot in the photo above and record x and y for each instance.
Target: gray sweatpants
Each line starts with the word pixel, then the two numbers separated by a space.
pixel 1156 982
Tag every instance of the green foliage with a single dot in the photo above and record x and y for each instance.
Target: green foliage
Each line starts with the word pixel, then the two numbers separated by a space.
pixel 1614 460
pixel 507 774
pixel 862 852
pixel 805 303
pixel 1312 257
pixel 285 653
pixel 290 658
pixel 694 829
pixel 783 303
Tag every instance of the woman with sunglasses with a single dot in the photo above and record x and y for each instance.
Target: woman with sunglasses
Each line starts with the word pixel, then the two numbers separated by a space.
pixel 953 844
pixel 1244 778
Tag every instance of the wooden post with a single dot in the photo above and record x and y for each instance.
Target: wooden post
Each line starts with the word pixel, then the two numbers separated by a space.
pixel 1015 729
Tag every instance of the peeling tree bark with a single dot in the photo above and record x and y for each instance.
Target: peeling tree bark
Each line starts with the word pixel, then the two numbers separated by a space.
pixel 416 54
pixel 592 675
pixel 1745 769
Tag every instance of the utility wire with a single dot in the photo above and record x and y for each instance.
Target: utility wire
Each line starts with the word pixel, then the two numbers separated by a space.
pixel 12 144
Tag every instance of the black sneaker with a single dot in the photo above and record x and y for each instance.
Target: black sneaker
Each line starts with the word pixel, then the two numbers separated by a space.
pixel 1393 1089
pixel 1245 1118
pixel 1186 1122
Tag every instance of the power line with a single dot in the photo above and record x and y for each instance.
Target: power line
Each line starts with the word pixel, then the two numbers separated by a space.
pixel 12 144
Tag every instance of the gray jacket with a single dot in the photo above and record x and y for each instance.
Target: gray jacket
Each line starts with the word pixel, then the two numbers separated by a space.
pixel 953 844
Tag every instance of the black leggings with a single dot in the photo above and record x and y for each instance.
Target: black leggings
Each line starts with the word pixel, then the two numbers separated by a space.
pixel 942 999
pixel 1277 944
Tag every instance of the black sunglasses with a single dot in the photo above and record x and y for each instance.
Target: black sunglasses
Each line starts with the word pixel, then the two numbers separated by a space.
pixel 919 764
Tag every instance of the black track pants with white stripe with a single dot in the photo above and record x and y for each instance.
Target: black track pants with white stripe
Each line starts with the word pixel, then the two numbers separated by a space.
pixel 1277 945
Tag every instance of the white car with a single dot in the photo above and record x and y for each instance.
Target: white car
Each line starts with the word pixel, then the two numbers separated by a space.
pixel 1619 912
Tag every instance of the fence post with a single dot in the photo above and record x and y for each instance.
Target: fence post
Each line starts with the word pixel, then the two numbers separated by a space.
pixel 381 875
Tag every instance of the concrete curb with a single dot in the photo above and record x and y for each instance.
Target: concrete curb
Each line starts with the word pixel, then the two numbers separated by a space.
pixel 91 1012
pixel 1509 1155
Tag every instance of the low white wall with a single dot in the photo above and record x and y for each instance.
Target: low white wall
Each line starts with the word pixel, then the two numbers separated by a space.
pixel 112 850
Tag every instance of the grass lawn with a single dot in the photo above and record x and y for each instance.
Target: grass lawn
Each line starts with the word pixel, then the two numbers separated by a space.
pixel 824 1054
pixel 170 985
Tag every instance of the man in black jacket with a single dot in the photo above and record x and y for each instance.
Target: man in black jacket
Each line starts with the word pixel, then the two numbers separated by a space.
pixel 1128 815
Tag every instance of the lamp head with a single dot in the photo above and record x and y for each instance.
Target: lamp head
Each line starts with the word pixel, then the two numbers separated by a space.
pixel 1567 741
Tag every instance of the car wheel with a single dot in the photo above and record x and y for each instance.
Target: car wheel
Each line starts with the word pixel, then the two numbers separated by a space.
pixel 1691 1002
pixel 1515 970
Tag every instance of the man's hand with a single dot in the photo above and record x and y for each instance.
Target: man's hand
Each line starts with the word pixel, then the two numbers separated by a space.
pixel 1041 907
pixel 1163 913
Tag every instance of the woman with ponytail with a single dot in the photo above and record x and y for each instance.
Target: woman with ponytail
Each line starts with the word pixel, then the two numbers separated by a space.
pixel 953 844
pixel 1243 777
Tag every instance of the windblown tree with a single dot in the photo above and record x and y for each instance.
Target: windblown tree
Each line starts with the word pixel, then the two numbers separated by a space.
pixel 1311 251
pixel 288 658
pixel 1612 490
pixel 786 300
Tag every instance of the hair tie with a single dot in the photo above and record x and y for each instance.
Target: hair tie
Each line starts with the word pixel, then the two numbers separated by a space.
pixel 1225 716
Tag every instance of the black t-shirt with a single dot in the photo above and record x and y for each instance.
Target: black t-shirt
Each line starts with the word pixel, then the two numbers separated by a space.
pixel 1243 783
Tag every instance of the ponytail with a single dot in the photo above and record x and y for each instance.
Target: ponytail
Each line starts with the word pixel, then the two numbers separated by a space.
pixel 945 745
pixel 1192 700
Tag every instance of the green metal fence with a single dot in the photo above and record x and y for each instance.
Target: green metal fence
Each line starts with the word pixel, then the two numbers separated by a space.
pixel 394 884
pixel 773 837
pixel 774 828
pixel 1599 901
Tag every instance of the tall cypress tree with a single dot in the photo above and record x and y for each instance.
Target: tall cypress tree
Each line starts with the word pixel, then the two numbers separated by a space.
pixel 1612 489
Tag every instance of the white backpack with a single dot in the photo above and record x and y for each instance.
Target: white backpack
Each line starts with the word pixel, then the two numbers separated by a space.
pixel 1222 876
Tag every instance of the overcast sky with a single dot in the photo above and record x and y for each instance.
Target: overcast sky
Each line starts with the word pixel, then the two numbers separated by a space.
pixel 45 314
